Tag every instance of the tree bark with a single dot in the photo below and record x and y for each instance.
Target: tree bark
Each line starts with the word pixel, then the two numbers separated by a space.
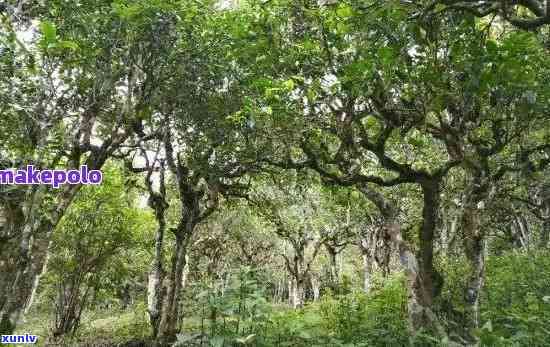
pixel 545 214
pixel 156 277
pixel 315 287
pixel 25 259
pixel 290 290
pixel 474 243
pixel 419 278
pixel 367 273
pixel 545 233
pixel 333 264
pixel 430 215
pixel 298 292
pixel 155 295
pixel 168 326
pixel 474 246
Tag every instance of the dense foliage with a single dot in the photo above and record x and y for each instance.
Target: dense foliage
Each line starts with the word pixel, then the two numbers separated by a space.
pixel 277 173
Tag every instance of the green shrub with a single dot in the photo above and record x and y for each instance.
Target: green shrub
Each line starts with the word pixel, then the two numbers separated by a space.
pixel 516 303
pixel 377 319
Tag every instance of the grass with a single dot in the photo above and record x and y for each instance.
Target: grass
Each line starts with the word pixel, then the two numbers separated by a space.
pixel 101 327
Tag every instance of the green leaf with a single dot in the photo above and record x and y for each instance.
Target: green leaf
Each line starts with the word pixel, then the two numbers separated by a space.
pixel 344 11
pixel 289 84
pixel 386 55
pixel 48 31
pixel 68 44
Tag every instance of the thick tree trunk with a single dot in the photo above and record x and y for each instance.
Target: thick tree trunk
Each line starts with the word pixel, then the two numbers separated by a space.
pixel 474 243
pixel 420 299
pixel 299 271
pixel 168 326
pixel 430 213
pixel 419 273
pixel 474 246
pixel 298 294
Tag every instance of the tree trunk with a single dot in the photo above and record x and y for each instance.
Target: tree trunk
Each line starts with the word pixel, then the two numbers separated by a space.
pixel 520 232
pixel 72 299
pixel 23 264
pixel 168 325
pixel 474 243
pixel 545 233
pixel 419 302
pixel 430 213
pixel 278 295
pixel 156 277
pixel 25 260
pixel 544 214
pixel 367 246
pixel 298 293
pixel 367 273
pixel 333 263
pixel 315 287
pixel 419 274
pixel 291 290
pixel 184 278
pixel 474 246
pixel 155 294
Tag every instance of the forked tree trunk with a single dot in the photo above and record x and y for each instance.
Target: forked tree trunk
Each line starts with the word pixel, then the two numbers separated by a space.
pixel 170 309
pixel 418 270
pixel 72 299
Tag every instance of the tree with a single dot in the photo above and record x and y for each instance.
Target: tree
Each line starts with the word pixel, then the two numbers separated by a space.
pixel 74 95
pixel 100 224
pixel 368 102
pixel 526 15
pixel 296 211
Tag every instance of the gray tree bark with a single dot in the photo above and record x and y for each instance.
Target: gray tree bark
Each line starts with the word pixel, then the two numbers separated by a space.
pixel 418 269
